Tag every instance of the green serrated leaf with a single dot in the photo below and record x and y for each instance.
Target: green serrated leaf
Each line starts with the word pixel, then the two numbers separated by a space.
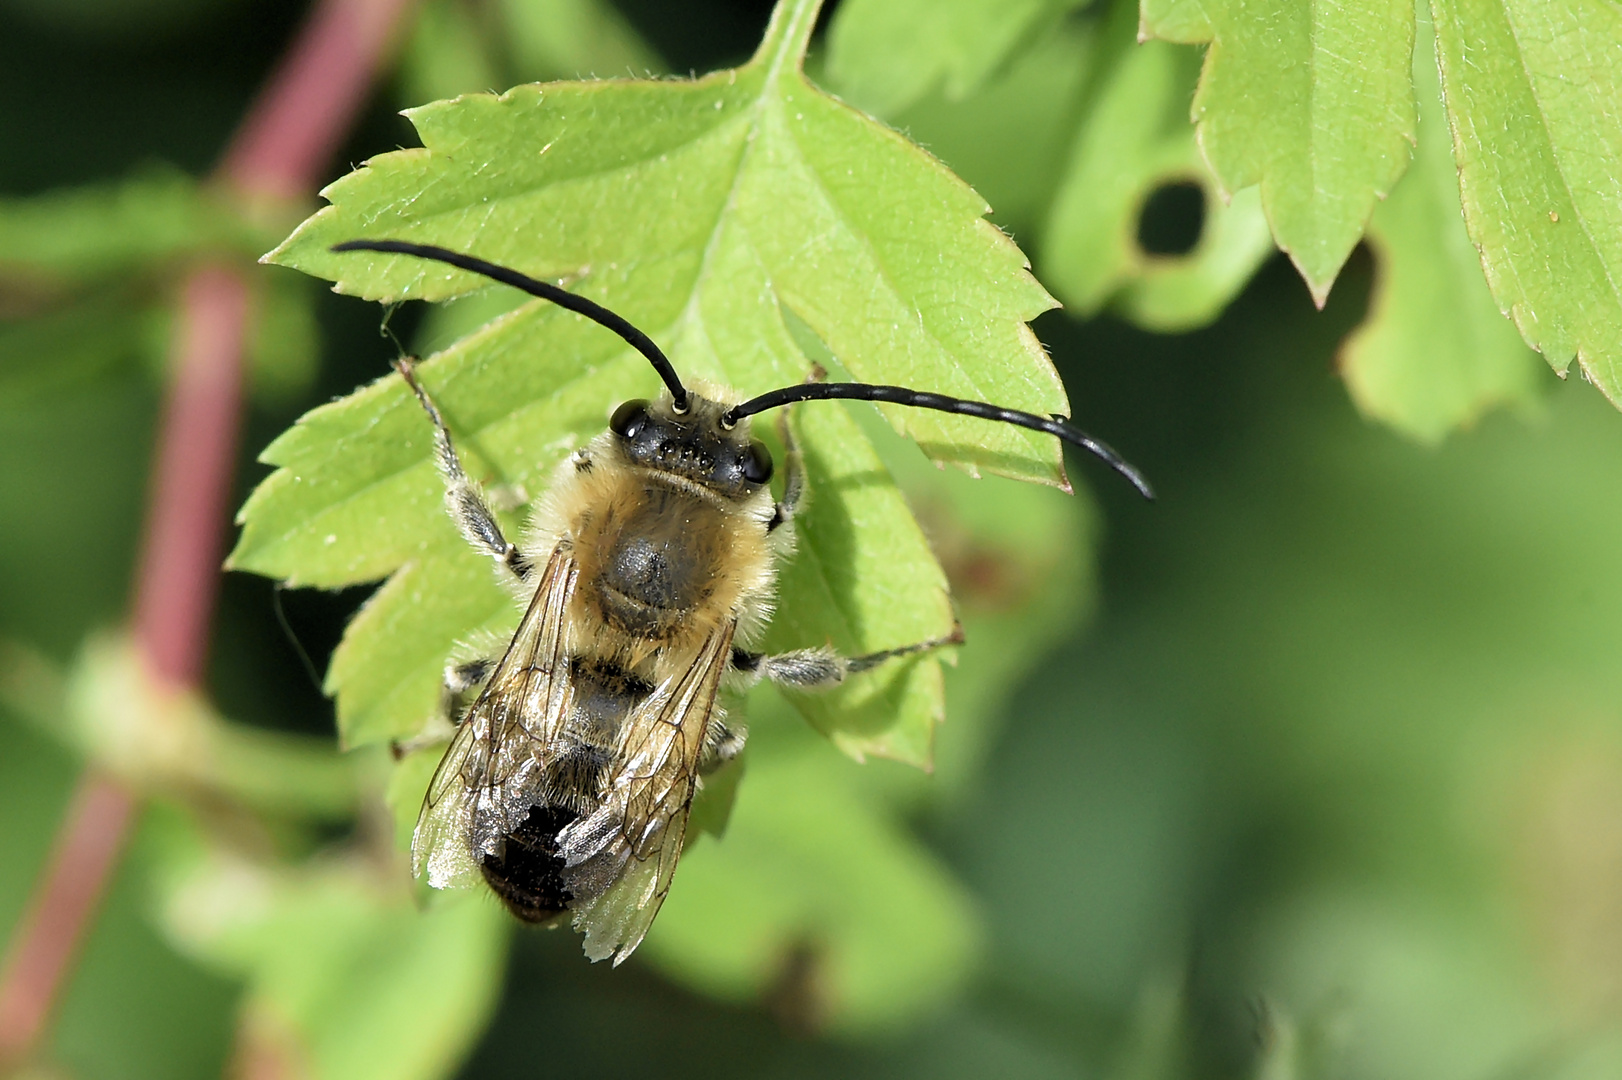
pixel 862 571
pixel 1313 102
pixel 884 55
pixel 746 176
pixel 1434 352
pixel 713 213
pixel 1136 138
pixel 1531 91
pixel 1008 138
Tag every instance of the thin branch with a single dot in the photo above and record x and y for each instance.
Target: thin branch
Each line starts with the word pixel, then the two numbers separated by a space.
pixel 178 571
pixel 63 903
pixel 287 137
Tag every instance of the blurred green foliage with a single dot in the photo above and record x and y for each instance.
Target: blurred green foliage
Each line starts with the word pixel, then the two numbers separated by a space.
pixel 1317 773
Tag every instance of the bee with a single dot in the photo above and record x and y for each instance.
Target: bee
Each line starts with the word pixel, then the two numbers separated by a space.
pixel 647 578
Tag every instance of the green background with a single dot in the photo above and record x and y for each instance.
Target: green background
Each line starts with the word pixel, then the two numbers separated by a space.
pixel 1329 784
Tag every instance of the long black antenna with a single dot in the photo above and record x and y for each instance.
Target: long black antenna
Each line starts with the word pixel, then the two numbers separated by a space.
pixel 900 395
pixel 563 298
pixel 897 395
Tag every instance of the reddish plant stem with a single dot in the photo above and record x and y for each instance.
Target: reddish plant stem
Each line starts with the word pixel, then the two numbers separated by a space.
pixel 311 99
pixel 284 141
pixel 63 903
pixel 177 575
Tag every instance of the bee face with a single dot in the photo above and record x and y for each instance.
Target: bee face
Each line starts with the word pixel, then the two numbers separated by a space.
pixel 693 443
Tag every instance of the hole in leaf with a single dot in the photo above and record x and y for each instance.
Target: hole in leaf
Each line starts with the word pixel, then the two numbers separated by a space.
pixel 1172 218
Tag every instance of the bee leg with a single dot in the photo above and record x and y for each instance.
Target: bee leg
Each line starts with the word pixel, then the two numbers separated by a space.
pixel 793 478
pixel 463 500
pixel 460 680
pixel 819 668
pixel 721 745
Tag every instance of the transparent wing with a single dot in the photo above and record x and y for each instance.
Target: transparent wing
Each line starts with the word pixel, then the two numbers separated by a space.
pixel 622 856
pixel 481 788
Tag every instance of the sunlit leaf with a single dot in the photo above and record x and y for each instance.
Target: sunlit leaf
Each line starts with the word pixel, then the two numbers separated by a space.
pixel 1531 90
pixel 1435 351
pixel 740 219
pixel 1313 102
pixel 1136 138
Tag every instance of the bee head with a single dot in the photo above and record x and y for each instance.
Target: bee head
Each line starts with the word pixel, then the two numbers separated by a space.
pixel 695 440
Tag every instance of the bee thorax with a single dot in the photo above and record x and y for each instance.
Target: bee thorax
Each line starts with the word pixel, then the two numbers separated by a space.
pixel 651 559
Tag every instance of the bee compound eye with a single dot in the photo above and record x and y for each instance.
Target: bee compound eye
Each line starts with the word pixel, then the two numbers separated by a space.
pixel 757 464
pixel 629 418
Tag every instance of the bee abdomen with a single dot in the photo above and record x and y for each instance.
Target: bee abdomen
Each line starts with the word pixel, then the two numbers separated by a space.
pixel 528 875
pixel 604 695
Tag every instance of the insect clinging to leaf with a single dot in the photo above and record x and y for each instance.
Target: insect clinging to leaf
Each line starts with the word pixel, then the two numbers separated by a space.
pixel 647 577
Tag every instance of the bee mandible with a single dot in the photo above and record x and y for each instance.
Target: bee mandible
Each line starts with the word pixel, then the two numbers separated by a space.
pixel 647 577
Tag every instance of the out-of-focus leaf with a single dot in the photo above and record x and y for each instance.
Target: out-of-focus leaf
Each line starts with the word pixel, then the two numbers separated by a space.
pixel 446 54
pixel 116 21
pixel 1136 138
pixel 1154 1045
pixel 816 902
pixel 840 582
pixel 1020 562
pixel 36 780
pixel 1008 139
pixel 86 285
pixel 717 795
pixel 284 351
pixel 131 1008
pixel 171 742
pixel 80 234
pixel 775 206
pixel 408 783
pixel 346 979
pixel 1434 352
pixel 1313 102
pixel 574 39
pixel 884 55
pixel 1531 91
pixel 1305 1049
pixel 76 343
pixel 463 48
